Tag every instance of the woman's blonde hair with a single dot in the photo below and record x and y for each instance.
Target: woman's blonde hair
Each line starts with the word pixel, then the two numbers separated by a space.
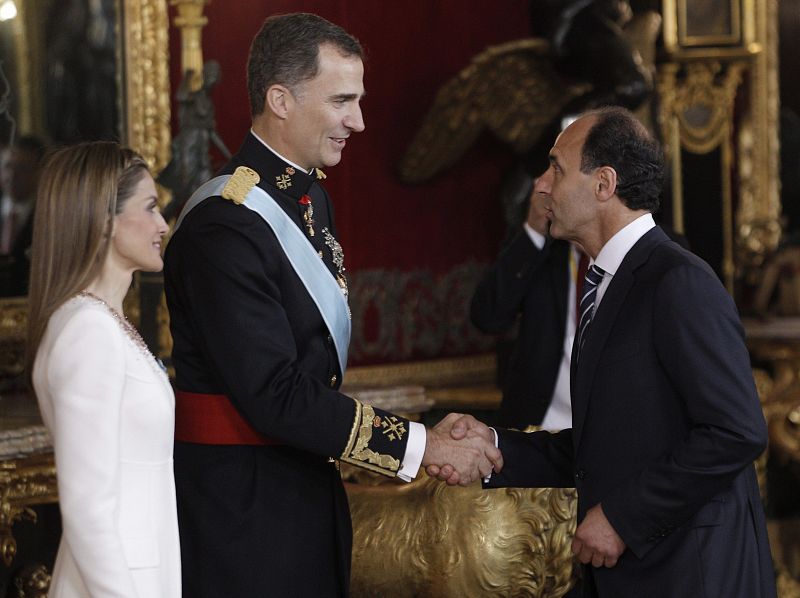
pixel 81 189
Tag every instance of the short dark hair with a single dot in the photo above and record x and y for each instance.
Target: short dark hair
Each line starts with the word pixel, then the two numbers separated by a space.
pixel 619 140
pixel 286 51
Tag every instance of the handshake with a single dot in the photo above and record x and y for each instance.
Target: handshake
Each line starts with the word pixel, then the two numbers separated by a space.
pixel 461 450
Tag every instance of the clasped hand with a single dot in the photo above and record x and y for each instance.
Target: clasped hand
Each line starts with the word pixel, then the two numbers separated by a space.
pixel 461 450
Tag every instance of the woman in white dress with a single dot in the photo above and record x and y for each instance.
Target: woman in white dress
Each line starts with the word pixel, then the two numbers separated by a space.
pixel 103 396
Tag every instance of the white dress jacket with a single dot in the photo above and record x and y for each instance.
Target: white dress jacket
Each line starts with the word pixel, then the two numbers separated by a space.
pixel 110 412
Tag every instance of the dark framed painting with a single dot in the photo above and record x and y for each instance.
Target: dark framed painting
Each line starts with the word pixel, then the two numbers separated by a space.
pixel 710 23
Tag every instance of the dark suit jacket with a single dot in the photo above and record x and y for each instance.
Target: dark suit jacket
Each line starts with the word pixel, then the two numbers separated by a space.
pixel 260 520
pixel 666 425
pixel 532 284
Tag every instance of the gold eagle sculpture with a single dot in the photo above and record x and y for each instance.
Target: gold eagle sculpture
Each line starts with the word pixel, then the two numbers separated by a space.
pixel 514 91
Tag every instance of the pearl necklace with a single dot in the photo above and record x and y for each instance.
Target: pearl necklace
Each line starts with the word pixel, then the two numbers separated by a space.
pixel 128 328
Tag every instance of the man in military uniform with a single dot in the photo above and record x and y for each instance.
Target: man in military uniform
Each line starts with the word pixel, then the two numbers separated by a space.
pixel 256 290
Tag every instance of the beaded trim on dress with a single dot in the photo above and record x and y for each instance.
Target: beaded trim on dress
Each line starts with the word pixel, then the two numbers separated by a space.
pixel 129 330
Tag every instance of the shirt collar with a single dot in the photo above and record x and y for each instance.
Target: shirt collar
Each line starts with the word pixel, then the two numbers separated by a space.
pixel 618 246
pixel 265 144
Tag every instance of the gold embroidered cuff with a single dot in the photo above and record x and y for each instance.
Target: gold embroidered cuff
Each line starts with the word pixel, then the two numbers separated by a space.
pixel 357 451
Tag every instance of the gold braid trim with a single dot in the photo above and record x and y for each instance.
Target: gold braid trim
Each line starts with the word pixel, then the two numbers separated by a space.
pixel 352 438
pixel 356 453
pixel 238 186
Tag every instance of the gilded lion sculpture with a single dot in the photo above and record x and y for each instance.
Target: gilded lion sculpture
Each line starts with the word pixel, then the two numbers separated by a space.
pixel 428 539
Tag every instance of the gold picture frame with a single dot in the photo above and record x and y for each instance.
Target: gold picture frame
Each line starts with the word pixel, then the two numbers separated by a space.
pixel 722 28
pixel 711 23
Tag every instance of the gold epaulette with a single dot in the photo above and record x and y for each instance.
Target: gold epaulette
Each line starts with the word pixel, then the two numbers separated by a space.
pixel 357 451
pixel 238 186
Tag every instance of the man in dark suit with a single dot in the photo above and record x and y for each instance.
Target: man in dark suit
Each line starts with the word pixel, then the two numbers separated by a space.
pixel 666 419
pixel 533 280
pixel 255 285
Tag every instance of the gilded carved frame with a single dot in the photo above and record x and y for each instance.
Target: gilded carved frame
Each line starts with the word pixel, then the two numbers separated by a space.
pixel 144 78
pixel 710 77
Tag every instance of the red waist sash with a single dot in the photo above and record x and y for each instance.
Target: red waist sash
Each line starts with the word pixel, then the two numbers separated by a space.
pixel 212 419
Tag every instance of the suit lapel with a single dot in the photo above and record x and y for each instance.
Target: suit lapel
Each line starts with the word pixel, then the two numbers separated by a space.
pixel 582 371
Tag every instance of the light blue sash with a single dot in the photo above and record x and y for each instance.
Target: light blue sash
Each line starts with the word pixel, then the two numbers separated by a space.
pixel 308 266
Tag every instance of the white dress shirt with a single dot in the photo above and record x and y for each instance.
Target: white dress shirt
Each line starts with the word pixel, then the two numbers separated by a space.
pixel 616 248
pixel 559 413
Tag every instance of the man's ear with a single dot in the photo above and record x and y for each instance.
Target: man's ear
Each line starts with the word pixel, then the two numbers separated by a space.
pixel 605 183
pixel 278 100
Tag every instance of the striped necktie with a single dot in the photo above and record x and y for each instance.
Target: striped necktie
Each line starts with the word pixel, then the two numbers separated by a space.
pixel 593 277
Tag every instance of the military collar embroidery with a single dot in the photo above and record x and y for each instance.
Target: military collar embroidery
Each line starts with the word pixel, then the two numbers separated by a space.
pixel 279 174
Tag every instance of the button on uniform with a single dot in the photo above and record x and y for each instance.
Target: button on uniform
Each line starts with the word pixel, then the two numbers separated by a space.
pixel 580 474
pixel 333 380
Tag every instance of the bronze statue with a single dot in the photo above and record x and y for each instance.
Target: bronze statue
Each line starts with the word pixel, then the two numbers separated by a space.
pixel 190 165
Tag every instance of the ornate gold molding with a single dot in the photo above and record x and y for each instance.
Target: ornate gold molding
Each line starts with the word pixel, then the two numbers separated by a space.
pixel 752 228
pixel 33 581
pixel 145 28
pixel 758 229
pixel 461 371
pixel 13 323
pixel 425 538
pixel 697 114
pixel 698 98
pixel 23 483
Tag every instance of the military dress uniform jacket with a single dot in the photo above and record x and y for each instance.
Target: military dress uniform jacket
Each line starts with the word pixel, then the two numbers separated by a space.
pixel 265 520
pixel 531 284
pixel 666 425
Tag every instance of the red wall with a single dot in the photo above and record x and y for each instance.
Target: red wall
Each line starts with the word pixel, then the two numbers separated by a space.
pixel 412 47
